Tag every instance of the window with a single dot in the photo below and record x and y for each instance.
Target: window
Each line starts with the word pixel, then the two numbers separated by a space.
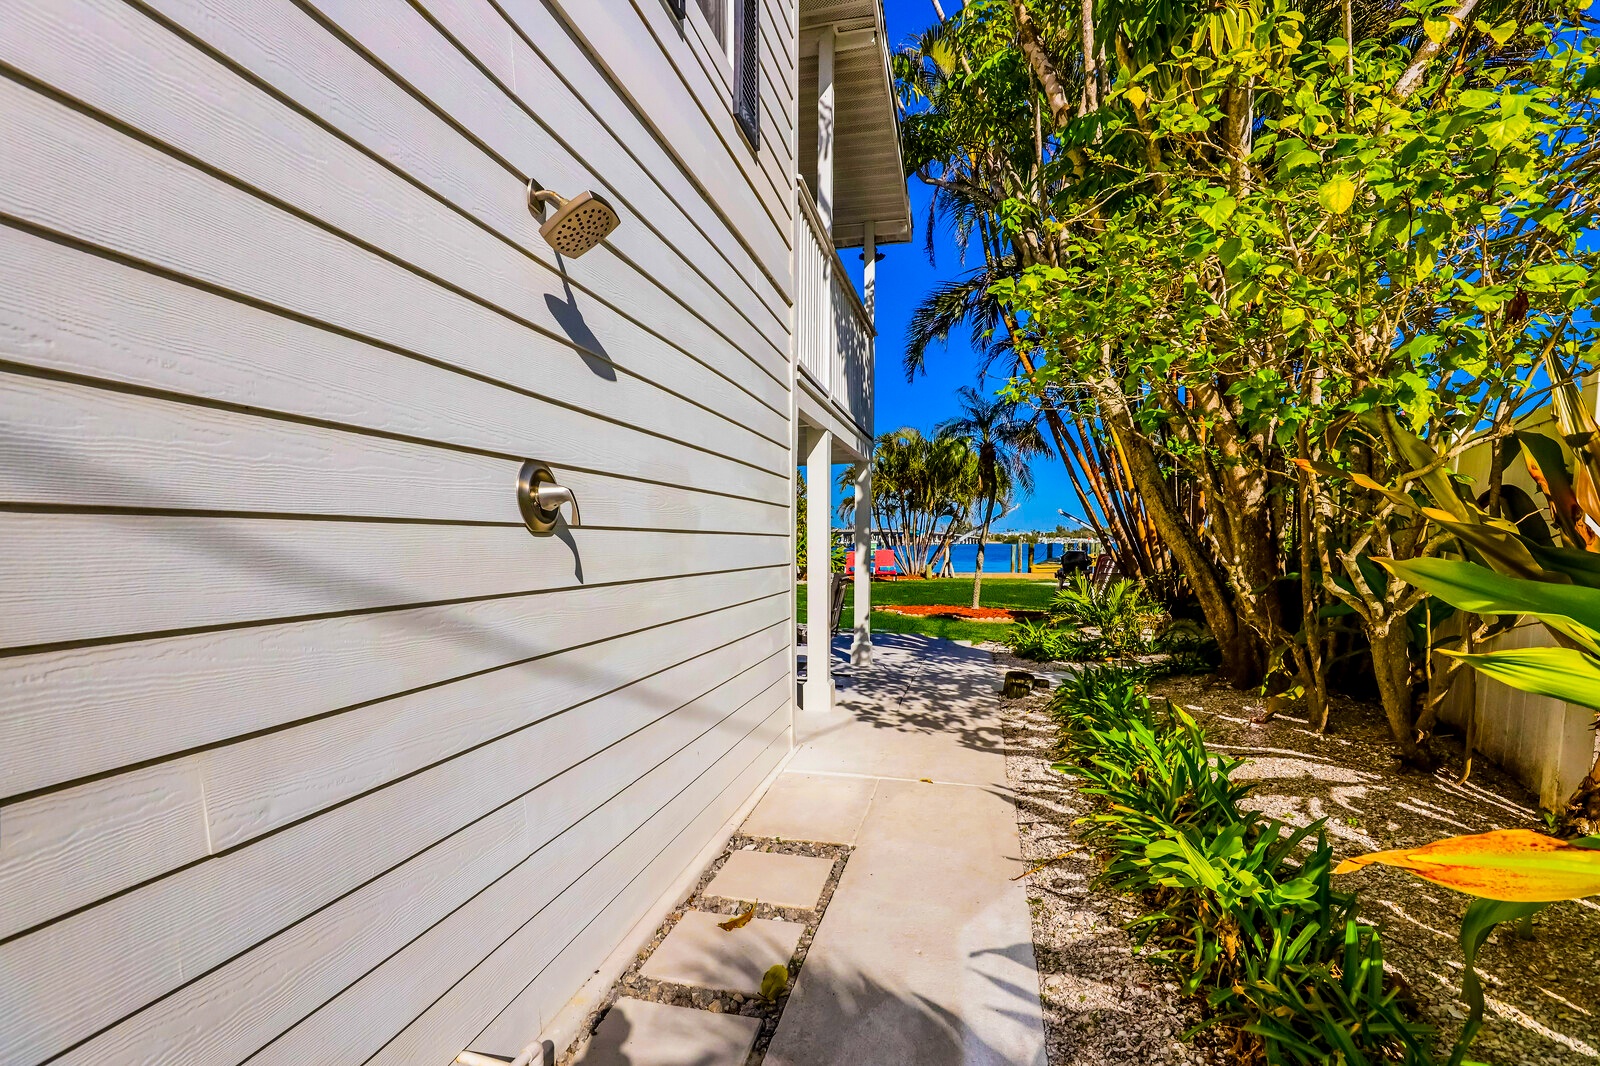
pixel 716 13
pixel 746 67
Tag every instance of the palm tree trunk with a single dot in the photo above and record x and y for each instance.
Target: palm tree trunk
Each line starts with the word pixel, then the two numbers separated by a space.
pixel 977 569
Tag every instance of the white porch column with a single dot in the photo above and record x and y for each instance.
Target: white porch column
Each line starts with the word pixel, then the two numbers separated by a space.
pixel 819 600
pixel 861 646
pixel 825 120
pixel 869 271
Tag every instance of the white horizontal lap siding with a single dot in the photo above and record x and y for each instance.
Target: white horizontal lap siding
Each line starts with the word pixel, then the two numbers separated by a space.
pixel 50 863
pixel 657 71
pixel 236 1009
pixel 100 966
pixel 308 750
pixel 455 1018
pixel 173 215
pixel 446 985
pixel 77 712
pixel 65 443
pixel 68 312
pixel 72 577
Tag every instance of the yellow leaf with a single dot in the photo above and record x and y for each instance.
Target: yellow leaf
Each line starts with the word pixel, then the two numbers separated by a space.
pixel 1436 29
pixel 738 921
pixel 1135 96
pixel 1514 865
pixel 774 981
pixel 1337 195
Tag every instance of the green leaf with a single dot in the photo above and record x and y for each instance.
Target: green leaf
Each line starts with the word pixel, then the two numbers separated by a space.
pixel 1217 212
pixel 1572 609
pixel 1503 32
pixel 1504 132
pixel 1337 195
pixel 1304 157
pixel 1560 673
pixel 1481 918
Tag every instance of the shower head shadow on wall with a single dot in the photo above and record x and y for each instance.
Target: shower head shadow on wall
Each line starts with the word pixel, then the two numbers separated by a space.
pixel 578 224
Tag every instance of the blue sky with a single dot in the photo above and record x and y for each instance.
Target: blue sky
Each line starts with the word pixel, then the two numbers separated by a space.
pixel 904 276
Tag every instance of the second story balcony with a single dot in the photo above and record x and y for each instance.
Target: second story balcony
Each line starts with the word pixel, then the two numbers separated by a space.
pixel 851 193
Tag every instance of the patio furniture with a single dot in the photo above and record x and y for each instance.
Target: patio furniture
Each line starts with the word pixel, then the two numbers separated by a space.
pixel 1105 568
pixel 837 583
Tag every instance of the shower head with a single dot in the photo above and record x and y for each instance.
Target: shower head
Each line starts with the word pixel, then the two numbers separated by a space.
pixel 578 224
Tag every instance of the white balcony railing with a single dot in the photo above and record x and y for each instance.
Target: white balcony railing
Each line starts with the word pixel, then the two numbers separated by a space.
pixel 833 335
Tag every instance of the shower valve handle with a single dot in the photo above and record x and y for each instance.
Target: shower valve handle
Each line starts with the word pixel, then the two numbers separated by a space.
pixel 539 498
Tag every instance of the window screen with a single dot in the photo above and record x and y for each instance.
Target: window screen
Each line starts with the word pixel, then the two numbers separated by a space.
pixel 747 69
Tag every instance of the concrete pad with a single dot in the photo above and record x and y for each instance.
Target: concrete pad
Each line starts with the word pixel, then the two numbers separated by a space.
pixel 769 877
pixel 816 807
pixel 925 954
pixel 697 952
pixel 926 708
pixel 639 1033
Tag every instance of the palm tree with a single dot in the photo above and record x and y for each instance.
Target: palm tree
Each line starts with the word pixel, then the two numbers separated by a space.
pixel 923 490
pixel 1003 444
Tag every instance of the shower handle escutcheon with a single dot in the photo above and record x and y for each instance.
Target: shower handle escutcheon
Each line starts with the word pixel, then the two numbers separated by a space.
pixel 539 499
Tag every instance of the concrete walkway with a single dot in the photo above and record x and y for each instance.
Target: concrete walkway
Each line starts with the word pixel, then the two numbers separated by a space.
pixel 925 954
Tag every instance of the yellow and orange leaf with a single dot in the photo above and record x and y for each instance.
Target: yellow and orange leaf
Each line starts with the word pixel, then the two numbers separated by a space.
pixel 738 921
pixel 1515 865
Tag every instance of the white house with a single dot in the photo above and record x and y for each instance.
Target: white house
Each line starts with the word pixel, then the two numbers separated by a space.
pixel 311 751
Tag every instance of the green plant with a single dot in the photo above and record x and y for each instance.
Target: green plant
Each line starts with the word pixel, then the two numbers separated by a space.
pixel 1120 612
pixel 1239 906
pixel 1189 648
pixel 1039 641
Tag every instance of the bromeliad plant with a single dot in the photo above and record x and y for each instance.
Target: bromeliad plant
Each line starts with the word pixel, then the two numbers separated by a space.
pixel 1237 905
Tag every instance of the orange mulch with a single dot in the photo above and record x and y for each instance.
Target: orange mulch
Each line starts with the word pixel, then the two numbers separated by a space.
pixel 971 614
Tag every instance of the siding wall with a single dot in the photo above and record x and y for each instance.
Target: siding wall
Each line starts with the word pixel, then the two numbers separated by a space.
pixel 309 752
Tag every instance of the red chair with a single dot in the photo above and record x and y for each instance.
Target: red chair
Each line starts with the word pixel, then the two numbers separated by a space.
pixel 883 564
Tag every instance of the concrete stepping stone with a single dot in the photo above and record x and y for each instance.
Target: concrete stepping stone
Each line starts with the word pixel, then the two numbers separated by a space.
pixel 697 952
pixel 636 1032
pixel 822 808
pixel 770 877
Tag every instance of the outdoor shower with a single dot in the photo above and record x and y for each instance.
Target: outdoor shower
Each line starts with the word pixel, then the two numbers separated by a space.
pixel 578 224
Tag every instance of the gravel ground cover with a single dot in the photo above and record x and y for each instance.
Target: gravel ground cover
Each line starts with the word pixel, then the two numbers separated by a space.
pixel 1103 1004
pixel 635 985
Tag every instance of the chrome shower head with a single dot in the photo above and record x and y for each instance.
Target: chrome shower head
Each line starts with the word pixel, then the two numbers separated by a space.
pixel 578 224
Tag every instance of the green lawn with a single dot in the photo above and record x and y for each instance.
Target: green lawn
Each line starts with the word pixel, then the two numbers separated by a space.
pixel 998 591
